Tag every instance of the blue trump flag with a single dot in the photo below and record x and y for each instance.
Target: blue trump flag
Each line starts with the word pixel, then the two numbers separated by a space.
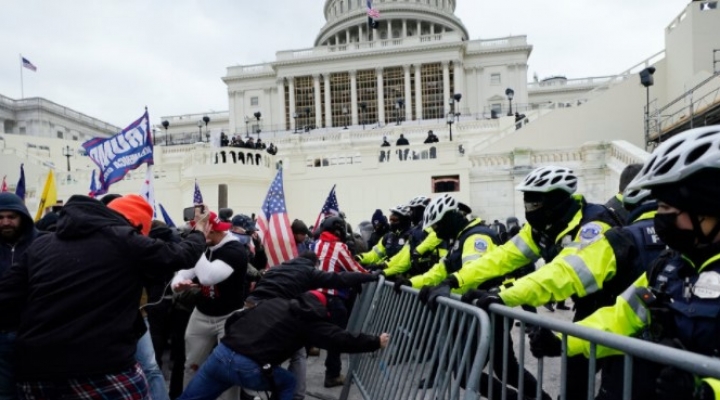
pixel 121 153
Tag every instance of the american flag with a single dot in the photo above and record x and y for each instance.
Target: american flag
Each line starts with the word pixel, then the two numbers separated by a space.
pixel 4 187
pixel 147 190
pixel 372 12
pixel 27 64
pixel 330 208
pixel 197 196
pixel 274 224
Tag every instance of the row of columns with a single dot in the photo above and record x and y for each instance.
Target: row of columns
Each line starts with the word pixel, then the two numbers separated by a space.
pixel 327 97
pixel 388 26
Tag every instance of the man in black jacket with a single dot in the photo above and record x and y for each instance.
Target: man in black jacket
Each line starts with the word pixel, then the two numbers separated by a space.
pixel 290 280
pixel 17 231
pixel 259 339
pixel 75 294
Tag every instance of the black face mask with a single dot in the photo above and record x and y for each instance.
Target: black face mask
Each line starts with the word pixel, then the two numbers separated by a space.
pixel 538 219
pixel 681 240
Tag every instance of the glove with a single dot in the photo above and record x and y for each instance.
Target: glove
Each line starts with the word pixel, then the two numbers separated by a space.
pixel 544 343
pixel 400 282
pixel 675 384
pixel 429 294
pixel 376 273
pixel 481 298
pixel 376 267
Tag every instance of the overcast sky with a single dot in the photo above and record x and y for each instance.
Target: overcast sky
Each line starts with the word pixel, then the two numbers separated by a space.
pixel 111 58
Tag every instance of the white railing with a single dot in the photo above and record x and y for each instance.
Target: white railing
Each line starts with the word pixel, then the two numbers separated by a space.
pixel 553 84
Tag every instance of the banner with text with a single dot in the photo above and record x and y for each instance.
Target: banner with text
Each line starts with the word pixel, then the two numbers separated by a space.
pixel 121 153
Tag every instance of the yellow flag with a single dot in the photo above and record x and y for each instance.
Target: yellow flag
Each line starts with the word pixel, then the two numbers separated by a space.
pixel 49 196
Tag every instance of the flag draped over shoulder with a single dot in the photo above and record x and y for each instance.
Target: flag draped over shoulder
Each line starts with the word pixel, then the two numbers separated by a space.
pixel 121 153
pixel 20 188
pixel 49 196
pixel 275 226
pixel 329 209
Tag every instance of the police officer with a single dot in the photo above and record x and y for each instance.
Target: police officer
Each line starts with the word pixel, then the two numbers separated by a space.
pixel 617 203
pixel 422 250
pixel 559 224
pixel 467 241
pixel 393 241
pixel 597 273
pixel 681 287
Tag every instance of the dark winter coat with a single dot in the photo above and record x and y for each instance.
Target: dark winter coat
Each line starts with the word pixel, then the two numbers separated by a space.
pixel 11 252
pixel 271 332
pixel 76 292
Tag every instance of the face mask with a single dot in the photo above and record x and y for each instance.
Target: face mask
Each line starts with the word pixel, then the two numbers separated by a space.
pixel 538 219
pixel 681 240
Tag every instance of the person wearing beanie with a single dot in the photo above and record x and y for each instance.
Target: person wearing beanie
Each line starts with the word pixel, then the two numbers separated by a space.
pixel 136 210
pixel 261 338
pixel 75 300
pixel 677 300
pixel 559 223
pixel 392 242
pixel 300 232
pixel 17 232
pixel 380 227
pixel 221 275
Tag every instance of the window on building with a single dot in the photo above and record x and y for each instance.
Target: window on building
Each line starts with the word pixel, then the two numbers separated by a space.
pixel 59 134
pixel 340 94
pixel 367 95
pixel 22 130
pixel 75 138
pixel 496 108
pixel 432 91
pixel 305 101
pixel 254 101
pixel 394 88
pixel 495 79
pixel 446 184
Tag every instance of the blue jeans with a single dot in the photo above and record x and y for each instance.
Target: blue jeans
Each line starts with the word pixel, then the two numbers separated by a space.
pixel 8 391
pixel 225 369
pixel 145 356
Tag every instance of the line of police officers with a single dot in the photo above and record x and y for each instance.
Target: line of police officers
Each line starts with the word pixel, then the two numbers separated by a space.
pixel 654 274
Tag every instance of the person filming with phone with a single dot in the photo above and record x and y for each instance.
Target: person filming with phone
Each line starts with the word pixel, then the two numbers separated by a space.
pixel 220 274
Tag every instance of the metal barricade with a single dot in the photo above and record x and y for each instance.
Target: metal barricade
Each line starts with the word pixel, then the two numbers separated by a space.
pixel 432 354
pixel 632 349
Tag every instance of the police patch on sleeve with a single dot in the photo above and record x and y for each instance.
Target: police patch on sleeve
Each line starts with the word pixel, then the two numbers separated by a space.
pixel 481 245
pixel 707 285
pixel 590 233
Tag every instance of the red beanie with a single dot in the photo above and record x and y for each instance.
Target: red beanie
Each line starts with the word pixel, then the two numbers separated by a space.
pixel 320 296
pixel 135 209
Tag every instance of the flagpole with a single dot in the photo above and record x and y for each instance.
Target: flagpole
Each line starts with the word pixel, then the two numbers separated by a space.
pixel 22 89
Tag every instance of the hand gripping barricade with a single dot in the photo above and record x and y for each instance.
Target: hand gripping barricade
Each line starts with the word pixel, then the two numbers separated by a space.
pixel 444 350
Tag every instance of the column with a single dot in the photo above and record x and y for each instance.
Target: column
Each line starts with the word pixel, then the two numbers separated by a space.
pixel 347 36
pixel 459 73
pixel 408 94
pixel 404 29
pixel 479 91
pixel 419 28
pixel 380 96
pixel 328 105
pixel 317 100
pixel 354 97
pixel 418 92
pixel 432 28
pixel 389 29
pixel 360 35
pixel 291 89
pixel 337 39
pixel 280 119
pixel 446 85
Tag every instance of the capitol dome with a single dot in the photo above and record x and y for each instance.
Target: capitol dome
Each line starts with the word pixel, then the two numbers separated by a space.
pixel 347 20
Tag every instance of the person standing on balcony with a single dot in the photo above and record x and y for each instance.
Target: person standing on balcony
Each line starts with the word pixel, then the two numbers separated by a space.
pixel 402 141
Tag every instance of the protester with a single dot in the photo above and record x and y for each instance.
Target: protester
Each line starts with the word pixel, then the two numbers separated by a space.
pixel 17 232
pixel 431 138
pixel 300 232
pixel 259 339
pixel 75 295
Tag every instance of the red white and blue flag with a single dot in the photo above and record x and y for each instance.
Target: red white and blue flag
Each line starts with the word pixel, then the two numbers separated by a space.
pixel 147 190
pixel 274 224
pixel 197 196
pixel 93 185
pixel 4 187
pixel 373 13
pixel 329 209
pixel 27 64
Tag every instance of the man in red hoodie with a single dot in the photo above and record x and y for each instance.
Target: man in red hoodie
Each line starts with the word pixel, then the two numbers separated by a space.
pixel 335 256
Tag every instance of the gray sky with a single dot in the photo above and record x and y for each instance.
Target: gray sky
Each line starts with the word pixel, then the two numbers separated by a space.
pixel 111 58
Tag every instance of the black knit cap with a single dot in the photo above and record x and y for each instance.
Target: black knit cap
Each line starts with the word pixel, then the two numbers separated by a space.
pixel 699 193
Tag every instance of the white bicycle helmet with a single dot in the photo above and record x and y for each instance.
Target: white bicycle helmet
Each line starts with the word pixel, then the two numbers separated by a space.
pixel 403 210
pixel 437 209
pixel 419 201
pixel 635 197
pixel 547 179
pixel 679 157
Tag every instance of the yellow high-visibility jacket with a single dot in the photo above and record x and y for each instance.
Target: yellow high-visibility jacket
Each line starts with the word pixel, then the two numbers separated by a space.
pixel 402 261
pixel 521 250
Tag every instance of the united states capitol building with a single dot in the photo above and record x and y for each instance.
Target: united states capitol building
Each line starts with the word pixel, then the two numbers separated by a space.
pixel 328 108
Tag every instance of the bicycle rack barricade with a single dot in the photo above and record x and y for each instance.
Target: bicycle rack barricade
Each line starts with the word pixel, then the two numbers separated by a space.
pixel 432 354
